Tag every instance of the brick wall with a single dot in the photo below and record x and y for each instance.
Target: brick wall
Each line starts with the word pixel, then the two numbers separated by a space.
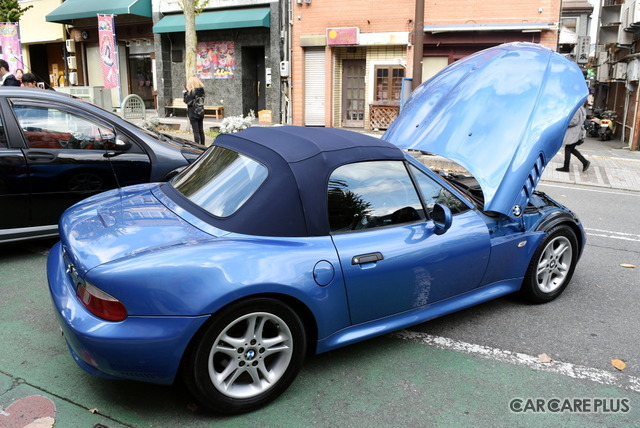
pixel 376 16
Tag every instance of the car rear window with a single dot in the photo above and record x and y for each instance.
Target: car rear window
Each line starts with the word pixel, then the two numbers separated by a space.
pixel 220 181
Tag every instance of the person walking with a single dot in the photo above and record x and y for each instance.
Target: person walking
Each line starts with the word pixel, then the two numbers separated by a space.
pixel 6 77
pixel 193 97
pixel 573 138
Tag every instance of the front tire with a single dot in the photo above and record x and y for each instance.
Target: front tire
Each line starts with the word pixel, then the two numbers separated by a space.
pixel 247 356
pixel 552 266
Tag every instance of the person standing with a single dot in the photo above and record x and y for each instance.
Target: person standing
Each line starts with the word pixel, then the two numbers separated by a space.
pixel 573 138
pixel 6 77
pixel 29 80
pixel 193 97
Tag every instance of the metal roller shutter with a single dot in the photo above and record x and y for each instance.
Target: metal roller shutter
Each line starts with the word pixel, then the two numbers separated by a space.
pixel 314 82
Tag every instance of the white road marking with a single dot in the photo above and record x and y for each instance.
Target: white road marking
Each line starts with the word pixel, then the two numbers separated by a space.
pixel 613 235
pixel 587 189
pixel 618 380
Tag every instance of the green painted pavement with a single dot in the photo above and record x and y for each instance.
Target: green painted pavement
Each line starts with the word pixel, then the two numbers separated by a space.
pixel 379 383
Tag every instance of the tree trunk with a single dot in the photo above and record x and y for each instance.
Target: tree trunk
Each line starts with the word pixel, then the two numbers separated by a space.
pixel 189 8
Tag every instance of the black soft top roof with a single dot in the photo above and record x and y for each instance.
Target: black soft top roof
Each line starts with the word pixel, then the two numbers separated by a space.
pixel 293 199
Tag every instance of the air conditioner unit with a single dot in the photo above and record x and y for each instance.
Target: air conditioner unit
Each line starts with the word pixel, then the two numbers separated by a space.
pixel 603 67
pixel 70 45
pixel 620 71
pixel 72 63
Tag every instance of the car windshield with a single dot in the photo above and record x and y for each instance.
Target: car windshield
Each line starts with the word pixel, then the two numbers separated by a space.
pixel 220 181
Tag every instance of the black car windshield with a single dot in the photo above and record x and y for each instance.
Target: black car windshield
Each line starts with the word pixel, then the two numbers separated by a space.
pixel 220 181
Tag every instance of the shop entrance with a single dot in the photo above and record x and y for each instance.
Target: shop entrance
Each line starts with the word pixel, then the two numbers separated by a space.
pixel 353 84
pixel 141 79
pixel 253 80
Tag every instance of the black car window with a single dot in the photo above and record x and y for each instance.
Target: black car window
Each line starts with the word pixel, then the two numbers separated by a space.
pixel 433 193
pixel 369 195
pixel 51 128
pixel 3 136
pixel 220 181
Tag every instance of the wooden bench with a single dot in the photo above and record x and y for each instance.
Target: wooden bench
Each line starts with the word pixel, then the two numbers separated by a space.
pixel 178 104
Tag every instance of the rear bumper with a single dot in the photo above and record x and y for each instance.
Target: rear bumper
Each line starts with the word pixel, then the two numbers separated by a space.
pixel 139 348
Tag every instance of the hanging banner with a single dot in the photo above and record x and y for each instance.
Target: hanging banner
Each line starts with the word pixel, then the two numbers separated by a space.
pixel 10 45
pixel 108 52
pixel 216 60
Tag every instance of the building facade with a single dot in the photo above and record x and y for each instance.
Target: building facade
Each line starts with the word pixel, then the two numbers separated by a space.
pixel 240 47
pixel 350 60
pixel 617 64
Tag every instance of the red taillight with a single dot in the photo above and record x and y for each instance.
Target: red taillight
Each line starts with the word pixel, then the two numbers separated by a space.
pixel 101 304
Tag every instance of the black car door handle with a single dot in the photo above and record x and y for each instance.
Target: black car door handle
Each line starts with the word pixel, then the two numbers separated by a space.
pixel 367 258
pixel 41 156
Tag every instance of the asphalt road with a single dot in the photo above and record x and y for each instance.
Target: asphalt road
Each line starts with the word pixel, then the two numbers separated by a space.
pixel 596 318
pixel 461 370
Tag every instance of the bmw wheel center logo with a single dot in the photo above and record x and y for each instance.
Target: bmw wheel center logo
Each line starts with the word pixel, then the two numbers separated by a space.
pixel 250 355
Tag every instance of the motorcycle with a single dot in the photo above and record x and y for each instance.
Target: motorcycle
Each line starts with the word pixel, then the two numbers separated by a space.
pixel 607 125
pixel 592 125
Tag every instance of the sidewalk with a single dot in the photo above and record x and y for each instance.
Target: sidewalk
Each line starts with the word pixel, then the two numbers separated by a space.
pixel 612 166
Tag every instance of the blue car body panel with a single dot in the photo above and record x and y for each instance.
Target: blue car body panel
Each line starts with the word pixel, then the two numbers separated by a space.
pixel 142 348
pixel 499 113
pixel 174 266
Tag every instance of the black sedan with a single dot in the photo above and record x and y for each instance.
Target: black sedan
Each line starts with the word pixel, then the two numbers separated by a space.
pixel 56 150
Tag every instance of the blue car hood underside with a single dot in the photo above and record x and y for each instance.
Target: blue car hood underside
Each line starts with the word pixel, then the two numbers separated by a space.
pixel 501 113
pixel 124 223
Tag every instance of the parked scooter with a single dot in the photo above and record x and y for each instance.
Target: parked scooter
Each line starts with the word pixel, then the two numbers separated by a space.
pixel 592 125
pixel 607 125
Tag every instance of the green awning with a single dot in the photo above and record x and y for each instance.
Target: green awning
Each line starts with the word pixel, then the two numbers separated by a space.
pixel 238 18
pixel 77 9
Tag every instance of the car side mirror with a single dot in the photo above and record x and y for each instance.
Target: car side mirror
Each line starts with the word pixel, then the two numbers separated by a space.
pixel 442 219
pixel 122 143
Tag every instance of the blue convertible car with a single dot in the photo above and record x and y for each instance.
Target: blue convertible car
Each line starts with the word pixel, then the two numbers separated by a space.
pixel 284 241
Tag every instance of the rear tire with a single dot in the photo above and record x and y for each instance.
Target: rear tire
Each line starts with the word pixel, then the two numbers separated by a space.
pixel 552 266
pixel 248 354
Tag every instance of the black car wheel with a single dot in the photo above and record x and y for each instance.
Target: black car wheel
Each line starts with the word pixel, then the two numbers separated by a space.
pixel 246 356
pixel 552 265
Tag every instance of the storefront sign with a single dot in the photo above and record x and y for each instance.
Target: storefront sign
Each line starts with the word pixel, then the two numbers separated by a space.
pixel 108 52
pixel 342 36
pixel 10 44
pixel 216 60
pixel 584 45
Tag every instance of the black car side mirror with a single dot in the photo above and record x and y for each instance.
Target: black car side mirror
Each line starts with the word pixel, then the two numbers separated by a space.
pixel 122 143
pixel 442 219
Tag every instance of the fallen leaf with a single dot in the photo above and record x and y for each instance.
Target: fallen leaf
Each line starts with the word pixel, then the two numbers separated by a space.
pixel 619 364
pixel 627 265
pixel 544 358
pixel 93 410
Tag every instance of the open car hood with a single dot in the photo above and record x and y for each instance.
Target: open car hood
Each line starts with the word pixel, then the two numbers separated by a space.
pixel 500 113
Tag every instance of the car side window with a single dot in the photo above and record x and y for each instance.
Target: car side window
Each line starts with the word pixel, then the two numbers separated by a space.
pixel 3 136
pixel 51 128
pixel 433 193
pixel 370 195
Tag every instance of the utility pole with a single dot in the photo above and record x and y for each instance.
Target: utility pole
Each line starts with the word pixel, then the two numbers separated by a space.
pixel 418 44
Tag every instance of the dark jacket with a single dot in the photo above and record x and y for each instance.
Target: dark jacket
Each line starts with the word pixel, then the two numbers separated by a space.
pixel 188 99
pixel 11 80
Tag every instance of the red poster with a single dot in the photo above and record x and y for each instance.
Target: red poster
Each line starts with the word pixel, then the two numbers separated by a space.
pixel 10 44
pixel 108 52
